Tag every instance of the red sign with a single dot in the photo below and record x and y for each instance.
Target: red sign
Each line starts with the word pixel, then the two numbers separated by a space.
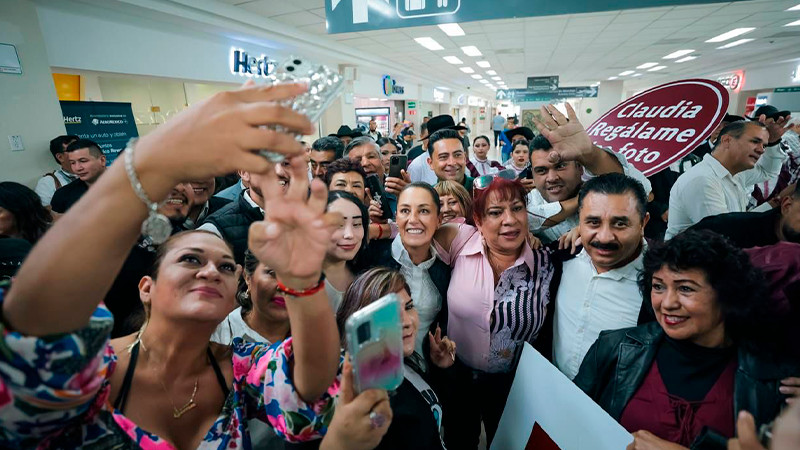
pixel 663 124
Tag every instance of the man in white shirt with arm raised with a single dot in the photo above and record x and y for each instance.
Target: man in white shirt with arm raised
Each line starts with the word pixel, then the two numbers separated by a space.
pixel 746 154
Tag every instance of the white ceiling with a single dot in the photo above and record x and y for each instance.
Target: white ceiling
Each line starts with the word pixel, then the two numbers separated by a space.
pixel 580 48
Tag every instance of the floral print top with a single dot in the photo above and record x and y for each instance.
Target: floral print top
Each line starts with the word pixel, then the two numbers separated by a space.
pixel 54 394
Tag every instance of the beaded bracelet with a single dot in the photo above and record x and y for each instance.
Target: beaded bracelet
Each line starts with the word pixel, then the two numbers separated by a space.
pixel 303 293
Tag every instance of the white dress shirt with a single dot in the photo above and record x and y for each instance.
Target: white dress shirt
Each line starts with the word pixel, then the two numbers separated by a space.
pixel 708 189
pixel 427 300
pixel 539 209
pixel 419 170
pixel 208 226
pixel 46 186
pixel 587 303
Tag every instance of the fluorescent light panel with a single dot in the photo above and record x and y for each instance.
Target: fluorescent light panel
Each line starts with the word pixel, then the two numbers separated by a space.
pixel 491 72
pixel 734 43
pixel 429 43
pixel 793 24
pixel 626 73
pixel 647 65
pixel 476 76
pixel 484 64
pixel 687 58
pixel 471 50
pixel 794 8
pixel 497 78
pixel 636 75
pixel 442 88
pixel 453 59
pixel 678 54
pixel 730 34
pixel 467 69
pixel 612 78
pixel 656 68
pixel 451 29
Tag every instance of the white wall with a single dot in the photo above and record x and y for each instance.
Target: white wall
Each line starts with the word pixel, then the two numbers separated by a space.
pixel 30 106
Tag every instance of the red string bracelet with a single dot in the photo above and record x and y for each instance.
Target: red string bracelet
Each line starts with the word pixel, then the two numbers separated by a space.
pixel 380 231
pixel 305 292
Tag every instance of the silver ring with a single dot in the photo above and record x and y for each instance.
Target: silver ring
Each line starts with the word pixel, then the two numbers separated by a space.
pixel 376 420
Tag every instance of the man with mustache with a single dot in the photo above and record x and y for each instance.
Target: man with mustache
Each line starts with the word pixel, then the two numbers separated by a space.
pixel 232 221
pixel 598 288
pixel 553 205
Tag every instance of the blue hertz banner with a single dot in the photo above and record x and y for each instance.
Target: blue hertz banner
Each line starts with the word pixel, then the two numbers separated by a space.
pixel 110 124
pixel 343 16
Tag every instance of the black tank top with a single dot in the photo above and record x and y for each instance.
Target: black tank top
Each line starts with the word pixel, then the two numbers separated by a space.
pixel 119 403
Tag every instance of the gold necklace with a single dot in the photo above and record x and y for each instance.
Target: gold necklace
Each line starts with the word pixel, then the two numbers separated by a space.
pixel 190 405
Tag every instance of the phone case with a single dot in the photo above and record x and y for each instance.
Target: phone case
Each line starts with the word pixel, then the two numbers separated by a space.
pixel 377 357
pixel 324 85
pixel 394 169
pixel 379 194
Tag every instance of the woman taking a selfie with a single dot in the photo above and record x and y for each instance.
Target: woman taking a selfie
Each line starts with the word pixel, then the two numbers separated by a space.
pixel 170 387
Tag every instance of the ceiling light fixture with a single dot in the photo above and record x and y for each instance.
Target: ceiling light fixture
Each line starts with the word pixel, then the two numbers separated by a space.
pixel 484 81
pixel 491 72
pixel 688 58
pixel 734 43
pixel 429 43
pixel 451 29
pixel 497 78
pixel 794 8
pixel 471 50
pixel 647 65
pixel 476 76
pixel 612 78
pixel 467 69
pixel 453 59
pixel 484 64
pixel 442 88
pixel 730 34
pixel 793 24
pixel 596 83
pixel 636 75
pixel 678 54
pixel 626 73
pixel 657 68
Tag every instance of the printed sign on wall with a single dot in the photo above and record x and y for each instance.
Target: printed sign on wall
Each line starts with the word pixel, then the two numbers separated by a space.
pixel 663 124
pixel 109 124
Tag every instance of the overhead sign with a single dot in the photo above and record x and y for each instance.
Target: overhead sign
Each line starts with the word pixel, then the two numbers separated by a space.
pixel 788 89
pixel 732 81
pixel 663 124
pixel 390 86
pixel 543 84
pixel 245 64
pixel 343 16
pixel 111 125
pixel 525 95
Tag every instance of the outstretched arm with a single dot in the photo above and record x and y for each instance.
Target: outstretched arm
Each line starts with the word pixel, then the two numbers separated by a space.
pixel 69 271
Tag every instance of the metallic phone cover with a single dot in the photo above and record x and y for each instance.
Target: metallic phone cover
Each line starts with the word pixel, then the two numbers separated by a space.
pixel 377 362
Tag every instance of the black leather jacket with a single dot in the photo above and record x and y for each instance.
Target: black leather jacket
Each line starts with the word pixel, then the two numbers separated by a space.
pixel 619 360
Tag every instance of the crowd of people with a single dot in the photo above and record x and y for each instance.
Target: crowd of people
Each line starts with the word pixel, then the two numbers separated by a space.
pixel 672 301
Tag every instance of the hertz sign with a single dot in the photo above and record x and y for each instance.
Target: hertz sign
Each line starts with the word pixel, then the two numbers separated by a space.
pixel 250 66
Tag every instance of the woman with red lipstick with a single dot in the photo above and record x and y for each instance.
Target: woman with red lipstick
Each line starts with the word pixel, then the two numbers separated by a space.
pixel 346 244
pixel 681 381
pixel 416 409
pixel 64 384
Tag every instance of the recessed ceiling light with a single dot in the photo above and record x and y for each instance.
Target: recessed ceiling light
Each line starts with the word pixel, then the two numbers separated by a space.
pixel 657 68
pixel 467 69
pixel 688 58
pixel 453 60
pixel 442 88
pixel 612 78
pixel 793 24
pixel 476 76
pixel 647 65
pixel 451 29
pixel 491 87
pixel 626 73
pixel 794 8
pixel 484 81
pixel 730 34
pixel 497 78
pixel 429 43
pixel 734 43
pixel 491 72
pixel 484 64
pixel 678 54
pixel 471 50
pixel 636 75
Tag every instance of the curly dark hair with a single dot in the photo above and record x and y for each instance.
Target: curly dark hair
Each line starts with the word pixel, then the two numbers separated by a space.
pixel 343 165
pixel 739 286
pixel 32 219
